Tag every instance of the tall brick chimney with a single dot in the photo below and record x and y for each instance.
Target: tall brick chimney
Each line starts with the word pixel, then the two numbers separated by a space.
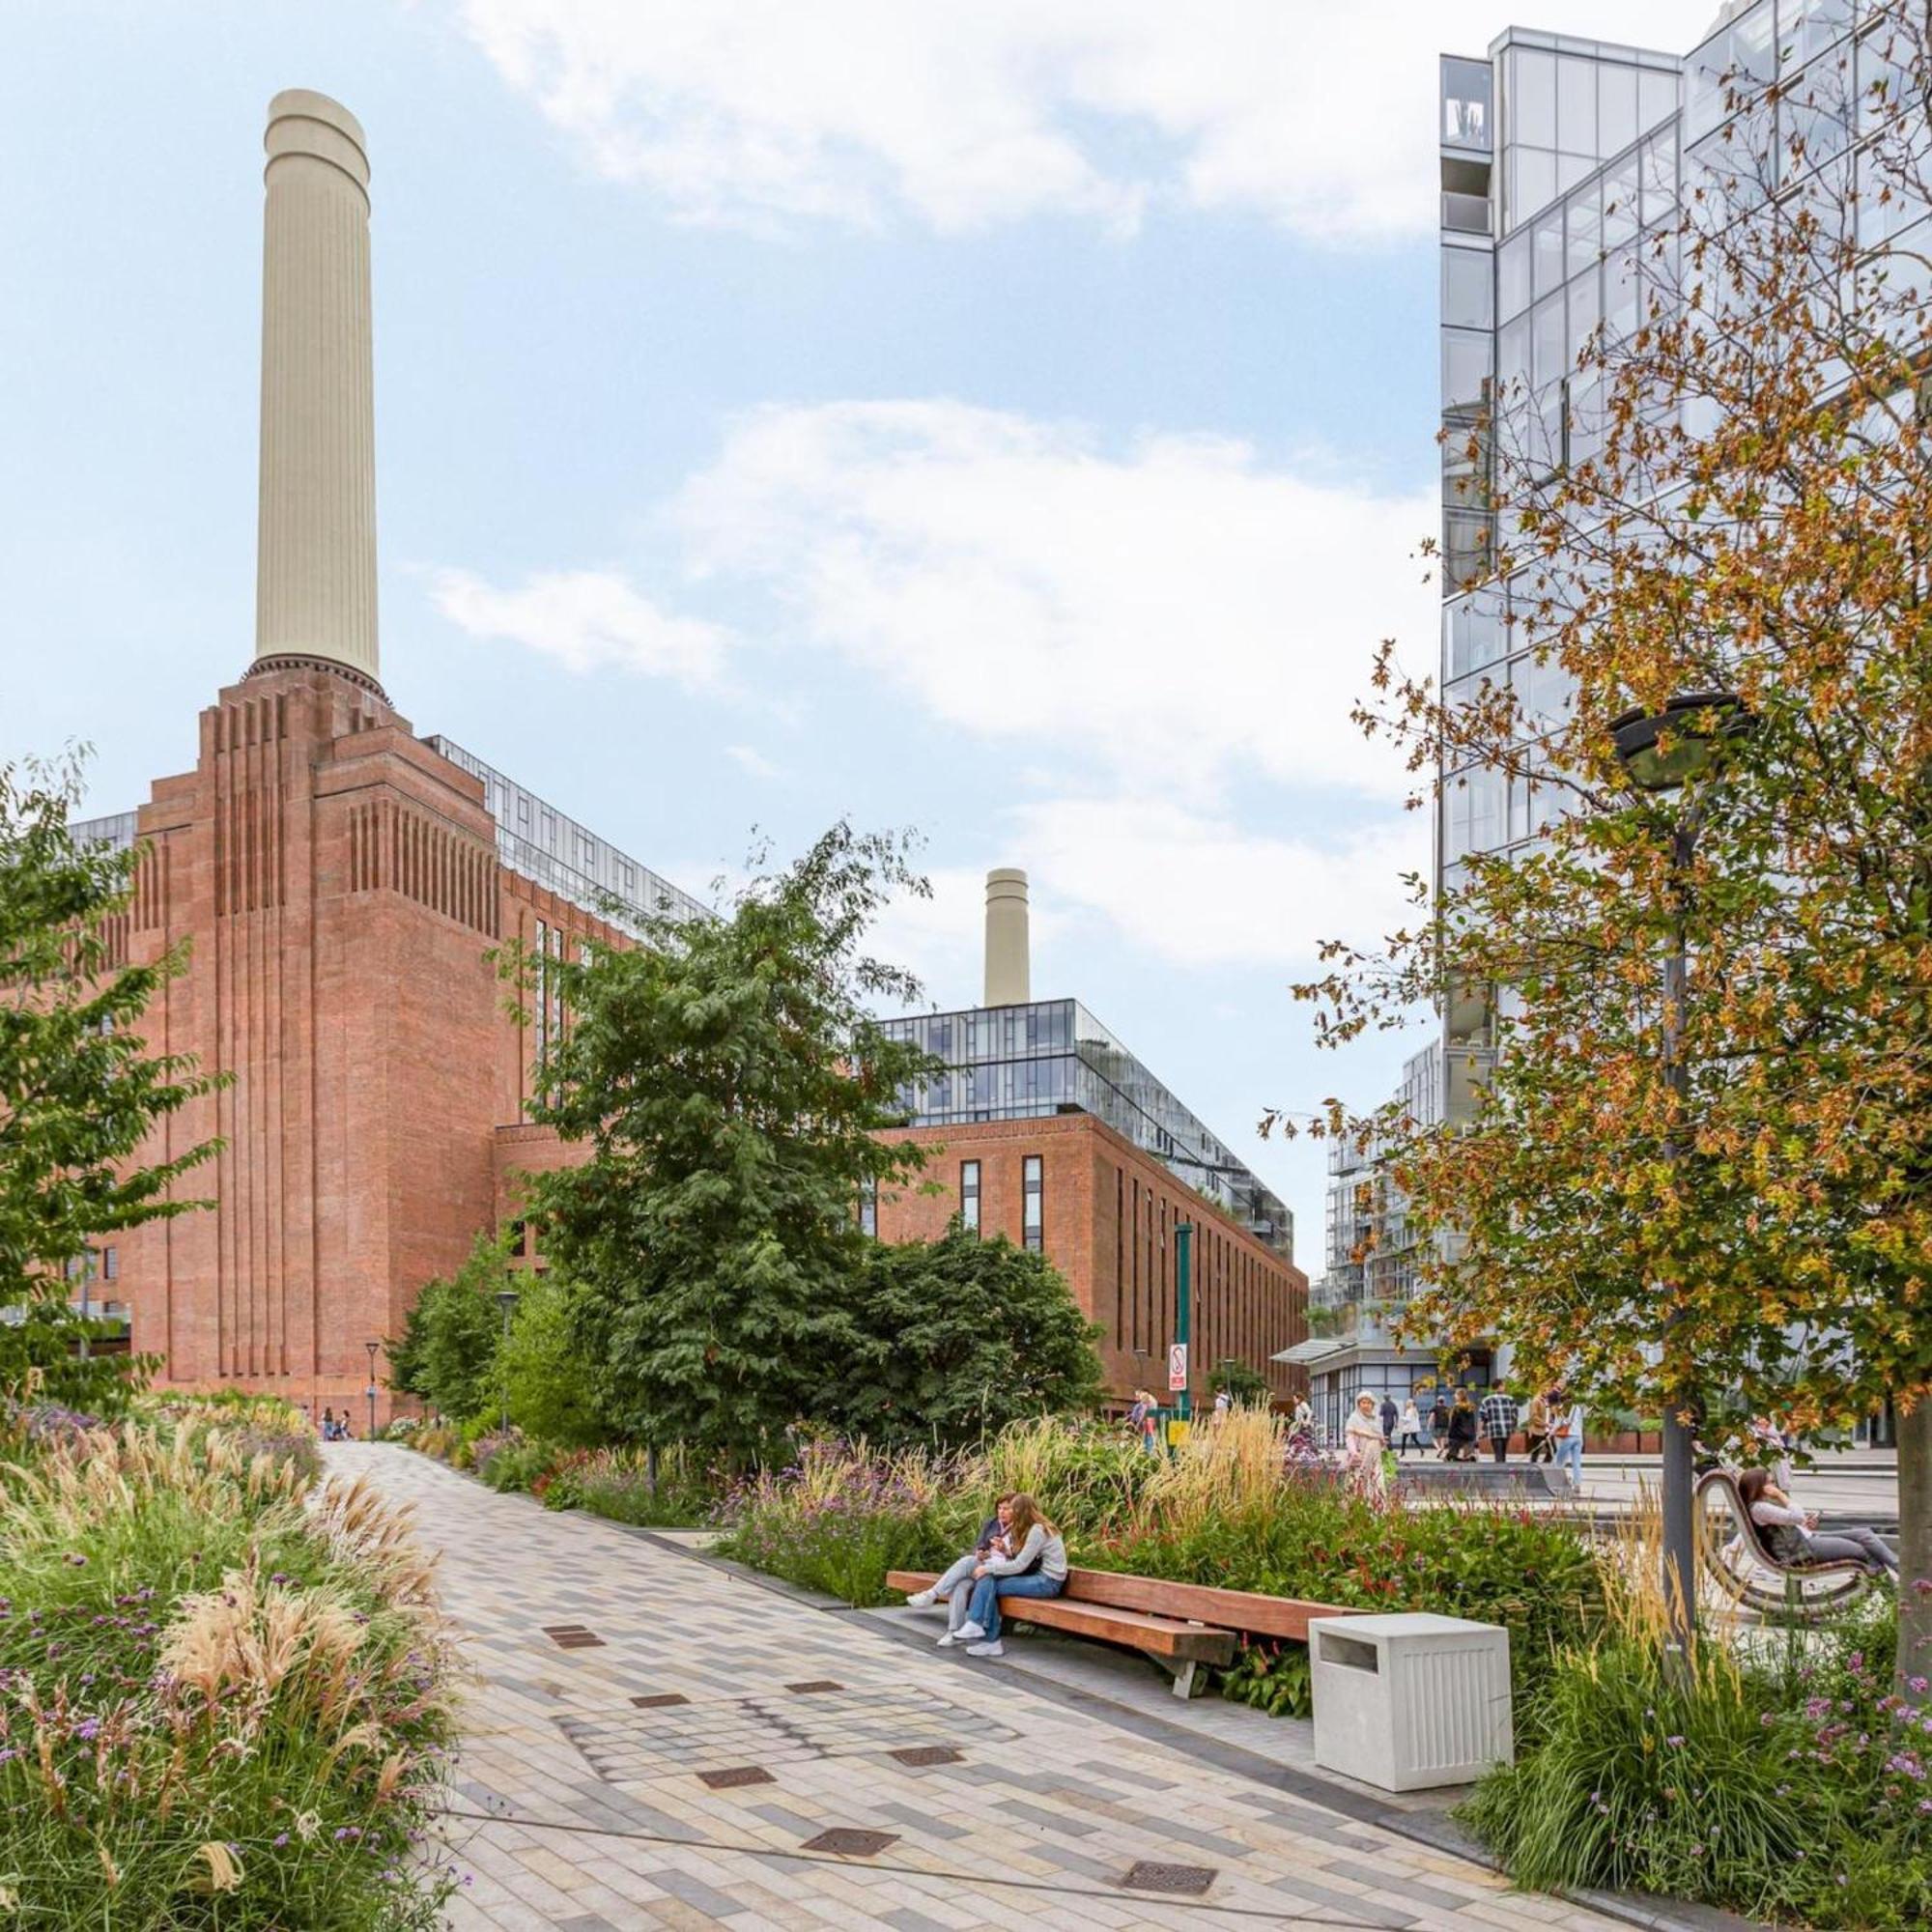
pixel 1009 950
pixel 315 571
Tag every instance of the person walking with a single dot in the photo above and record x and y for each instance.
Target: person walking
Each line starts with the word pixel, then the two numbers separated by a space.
pixel 1411 1427
pixel 1438 1423
pixel 1461 1439
pixel 1143 1418
pixel 1036 1568
pixel 1495 1421
pixel 1567 1434
pixel 1538 1428
pixel 1391 1419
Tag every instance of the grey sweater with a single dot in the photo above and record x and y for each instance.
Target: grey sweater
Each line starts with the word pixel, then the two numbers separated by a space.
pixel 1048 1552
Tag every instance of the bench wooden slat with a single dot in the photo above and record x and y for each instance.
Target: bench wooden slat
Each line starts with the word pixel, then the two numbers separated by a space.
pixel 1243 1611
pixel 1200 1603
pixel 1160 1637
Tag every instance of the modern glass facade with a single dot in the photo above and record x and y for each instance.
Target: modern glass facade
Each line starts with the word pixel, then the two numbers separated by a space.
pixel 116 829
pixel 537 841
pixel 1054 1057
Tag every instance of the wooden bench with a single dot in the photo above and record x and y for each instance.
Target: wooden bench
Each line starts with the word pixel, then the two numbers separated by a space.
pixel 1178 1625
pixel 1848 1580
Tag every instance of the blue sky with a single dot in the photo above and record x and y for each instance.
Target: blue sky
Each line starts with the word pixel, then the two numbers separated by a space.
pixel 1013 421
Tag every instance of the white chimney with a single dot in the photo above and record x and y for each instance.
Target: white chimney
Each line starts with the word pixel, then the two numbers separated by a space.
pixel 1009 961
pixel 315 563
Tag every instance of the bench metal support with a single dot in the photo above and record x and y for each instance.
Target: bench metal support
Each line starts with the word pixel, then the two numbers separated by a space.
pixel 1182 1673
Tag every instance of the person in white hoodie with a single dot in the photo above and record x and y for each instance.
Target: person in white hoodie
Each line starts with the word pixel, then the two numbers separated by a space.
pixel 1036 1568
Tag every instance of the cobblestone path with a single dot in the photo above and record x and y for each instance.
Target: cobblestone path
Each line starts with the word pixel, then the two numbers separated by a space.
pixel 683 1760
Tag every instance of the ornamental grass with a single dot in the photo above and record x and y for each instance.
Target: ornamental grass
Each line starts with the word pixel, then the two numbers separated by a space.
pixel 224 1689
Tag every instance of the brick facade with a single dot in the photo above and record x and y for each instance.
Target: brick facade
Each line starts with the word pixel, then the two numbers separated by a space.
pixel 334 885
pixel 1109 1211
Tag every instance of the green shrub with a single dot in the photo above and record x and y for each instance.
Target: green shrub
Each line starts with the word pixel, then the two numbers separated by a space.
pixel 618 1484
pixel 1790 1796
pixel 224 1697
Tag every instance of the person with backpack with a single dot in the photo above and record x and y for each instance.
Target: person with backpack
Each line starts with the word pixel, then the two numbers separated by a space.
pixel 1143 1418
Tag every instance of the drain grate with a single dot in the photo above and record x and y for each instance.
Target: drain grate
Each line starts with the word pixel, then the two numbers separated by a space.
pixel 1185 1880
pixel 812 1685
pixel 573 1637
pixel 917 1754
pixel 850 1843
pixel 660 1700
pixel 736 1775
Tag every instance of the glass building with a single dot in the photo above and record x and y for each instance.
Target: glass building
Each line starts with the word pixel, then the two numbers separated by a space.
pixel 1053 1057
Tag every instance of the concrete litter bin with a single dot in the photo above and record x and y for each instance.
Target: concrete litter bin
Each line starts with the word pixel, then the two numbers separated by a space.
pixel 1412 1702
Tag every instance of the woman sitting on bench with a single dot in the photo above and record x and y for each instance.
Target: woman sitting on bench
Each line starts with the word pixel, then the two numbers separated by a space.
pixel 954 1587
pixel 1036 1568
pixel 1791 1535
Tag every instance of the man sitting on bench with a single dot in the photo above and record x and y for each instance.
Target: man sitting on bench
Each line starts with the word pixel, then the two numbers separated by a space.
pixel 953 1588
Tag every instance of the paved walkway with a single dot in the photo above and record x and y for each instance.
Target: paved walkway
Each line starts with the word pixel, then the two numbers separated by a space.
pixel 682 1768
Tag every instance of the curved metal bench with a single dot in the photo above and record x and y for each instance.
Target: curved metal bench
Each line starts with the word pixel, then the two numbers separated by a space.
pixel 1787 1597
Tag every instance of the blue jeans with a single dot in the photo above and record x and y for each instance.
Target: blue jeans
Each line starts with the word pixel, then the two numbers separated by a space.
pixel 988 1590
pixel 1570 1456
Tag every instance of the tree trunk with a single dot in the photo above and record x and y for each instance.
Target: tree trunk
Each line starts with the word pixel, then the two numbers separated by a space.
pixel 1915 1545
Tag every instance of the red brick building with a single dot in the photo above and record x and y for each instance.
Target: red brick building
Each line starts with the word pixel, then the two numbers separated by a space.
pixel 1104 1213
pixel 339 885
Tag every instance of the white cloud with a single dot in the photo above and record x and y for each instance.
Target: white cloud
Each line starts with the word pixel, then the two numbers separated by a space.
pixel 586 620
pixel 752 761
pixel 963 113
pixel 1202 890
pixel 1178 609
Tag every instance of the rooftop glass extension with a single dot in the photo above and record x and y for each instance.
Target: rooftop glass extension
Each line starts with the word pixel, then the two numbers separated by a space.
pixel 1054 1057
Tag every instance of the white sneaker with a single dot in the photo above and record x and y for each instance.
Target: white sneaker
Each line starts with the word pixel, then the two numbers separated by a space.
pixel 994 1649
pixel 969 1632
pixel 948 1639
pixel 920 1599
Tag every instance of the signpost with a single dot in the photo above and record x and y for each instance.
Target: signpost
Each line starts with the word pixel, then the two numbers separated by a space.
pixel 1183 1319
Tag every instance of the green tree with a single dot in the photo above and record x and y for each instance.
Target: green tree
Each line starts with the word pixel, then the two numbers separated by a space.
pixel 446 1353
pixel 81 1096
pixel 538 1370
pixel 1246 1385
pixel 951 1340
pixel 1731 492
pixel 729 1082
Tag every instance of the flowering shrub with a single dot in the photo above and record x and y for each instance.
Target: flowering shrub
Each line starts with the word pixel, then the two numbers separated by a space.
pixel 618 1483
pixel 839 1519
pixel 224 1692
pixel 1798 1795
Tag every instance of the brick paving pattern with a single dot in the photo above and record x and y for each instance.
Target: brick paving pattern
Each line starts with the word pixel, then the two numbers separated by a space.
pixel 582 1801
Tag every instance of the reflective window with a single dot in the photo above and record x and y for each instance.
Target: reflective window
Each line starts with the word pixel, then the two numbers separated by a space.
pixel 1546 250
pixel 1474 808
pixel 1616 106
pixel 1583 229
pixel 1533 98
pixel 1513 276
pixel 868 1206
pixel 1474 632
pixel 1465 105
pixel 1033 1217
pixel 1806 27
pixel 1466 288
pixel 1513 357
pixel 1620 203
pixel 1658 159
pixel 969 1196
pixel 1549 355
pixel 1532 183
pixel 1466 366
pixel 1740 60
pixel 1577 106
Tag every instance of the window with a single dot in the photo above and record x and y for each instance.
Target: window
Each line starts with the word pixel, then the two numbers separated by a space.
pixel 969 1196
pixel 868 1206
pixel 1465 288
pixel 110 1264
pixel 1033 1232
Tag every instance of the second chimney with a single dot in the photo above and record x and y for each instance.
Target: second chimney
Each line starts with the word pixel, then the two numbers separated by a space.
pixel 1009 967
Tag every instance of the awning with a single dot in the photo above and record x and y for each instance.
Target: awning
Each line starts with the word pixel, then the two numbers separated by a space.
pixel 1316 1349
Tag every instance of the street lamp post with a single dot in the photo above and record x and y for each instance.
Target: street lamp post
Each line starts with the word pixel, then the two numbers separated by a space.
pixel 372 1346
pixel 506 1300
pixel 1661 753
